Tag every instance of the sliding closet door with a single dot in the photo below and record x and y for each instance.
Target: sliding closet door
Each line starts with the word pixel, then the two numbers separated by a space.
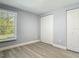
pixel 73 30
pixel 47 29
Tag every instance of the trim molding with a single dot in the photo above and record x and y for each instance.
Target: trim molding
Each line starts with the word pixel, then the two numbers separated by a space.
pixel 59 46
pixel 18 45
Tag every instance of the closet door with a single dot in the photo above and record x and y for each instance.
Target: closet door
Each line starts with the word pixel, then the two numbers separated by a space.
pixel 47 29
pixel 73 30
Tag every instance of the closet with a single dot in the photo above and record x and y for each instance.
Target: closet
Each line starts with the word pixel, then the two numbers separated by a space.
pixel 73 30
pixel 47 29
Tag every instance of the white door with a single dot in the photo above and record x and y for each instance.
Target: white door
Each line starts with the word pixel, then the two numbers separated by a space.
pixel 73 30
pixel 47 29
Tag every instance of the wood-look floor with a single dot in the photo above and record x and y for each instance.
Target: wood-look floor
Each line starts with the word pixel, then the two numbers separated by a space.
pixel 38 50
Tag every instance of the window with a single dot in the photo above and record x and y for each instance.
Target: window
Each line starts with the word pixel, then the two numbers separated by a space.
pixel 7 25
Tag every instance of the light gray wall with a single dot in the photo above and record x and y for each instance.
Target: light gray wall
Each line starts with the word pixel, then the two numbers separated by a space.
pixel 60 27
pixel 60 22
pixel 28 26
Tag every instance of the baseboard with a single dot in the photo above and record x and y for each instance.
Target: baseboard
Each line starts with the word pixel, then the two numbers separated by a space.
pixel 17 45
pixel 59 46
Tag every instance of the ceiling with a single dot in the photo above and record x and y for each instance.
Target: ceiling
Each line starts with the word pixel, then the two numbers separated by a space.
pixel 39 6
